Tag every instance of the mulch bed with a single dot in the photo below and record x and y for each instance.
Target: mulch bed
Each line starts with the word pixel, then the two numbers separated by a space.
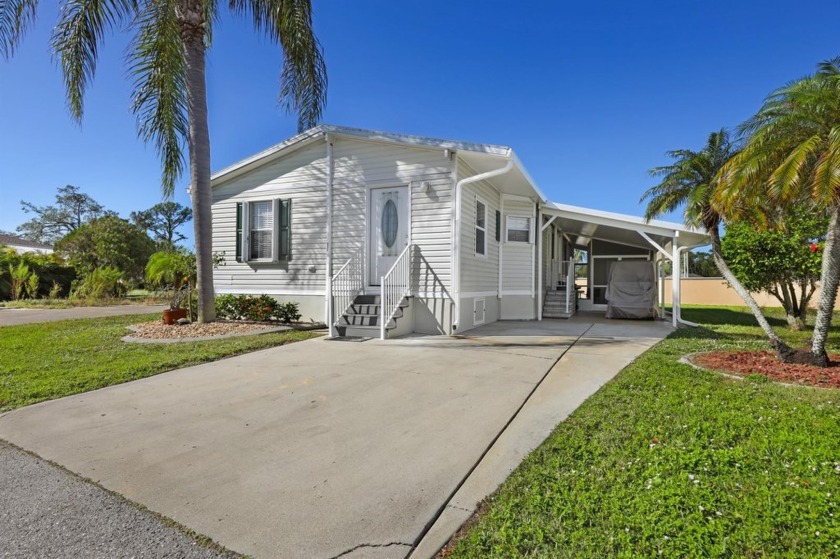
pixel 159 331
pixel 766 363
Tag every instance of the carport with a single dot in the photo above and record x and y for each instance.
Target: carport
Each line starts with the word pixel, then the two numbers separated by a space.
pixel 567 232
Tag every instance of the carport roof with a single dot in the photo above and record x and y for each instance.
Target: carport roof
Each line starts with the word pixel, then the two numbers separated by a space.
pixel 583 224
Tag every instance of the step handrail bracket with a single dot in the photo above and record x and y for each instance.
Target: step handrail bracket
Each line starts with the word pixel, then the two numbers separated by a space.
pixel 396 285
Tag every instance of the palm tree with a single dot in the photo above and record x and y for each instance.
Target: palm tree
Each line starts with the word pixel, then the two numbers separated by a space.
pixel 792 157
pixel 167 59
pixel 689 182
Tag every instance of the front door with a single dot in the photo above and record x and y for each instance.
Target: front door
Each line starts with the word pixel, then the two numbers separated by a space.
pixel 388 234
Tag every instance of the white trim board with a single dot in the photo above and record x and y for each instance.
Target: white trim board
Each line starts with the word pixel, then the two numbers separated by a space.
pixel 304 293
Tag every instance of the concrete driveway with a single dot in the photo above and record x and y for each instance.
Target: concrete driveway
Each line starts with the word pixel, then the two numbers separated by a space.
pixel 332 448
pixel 10 317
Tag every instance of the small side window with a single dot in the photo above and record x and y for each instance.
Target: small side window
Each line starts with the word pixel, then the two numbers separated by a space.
pixel 480 228
pixel 518 229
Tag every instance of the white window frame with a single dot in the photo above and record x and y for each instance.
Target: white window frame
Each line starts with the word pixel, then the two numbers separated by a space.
pixel 247 230
pixel 479 200
pixel 508 229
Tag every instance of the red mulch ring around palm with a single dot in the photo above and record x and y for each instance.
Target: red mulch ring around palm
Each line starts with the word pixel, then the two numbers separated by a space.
pixel 766 363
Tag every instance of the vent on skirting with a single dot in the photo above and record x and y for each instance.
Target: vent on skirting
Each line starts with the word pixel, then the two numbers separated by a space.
pixel 478 310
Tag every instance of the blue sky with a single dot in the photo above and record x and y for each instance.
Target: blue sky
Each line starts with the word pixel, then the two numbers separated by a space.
pixel 590 94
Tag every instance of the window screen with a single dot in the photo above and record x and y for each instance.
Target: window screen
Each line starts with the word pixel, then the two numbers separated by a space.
pixel 262 230
pixel 519 229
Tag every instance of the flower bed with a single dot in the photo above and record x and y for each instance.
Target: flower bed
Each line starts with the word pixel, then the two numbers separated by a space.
pixel 765 363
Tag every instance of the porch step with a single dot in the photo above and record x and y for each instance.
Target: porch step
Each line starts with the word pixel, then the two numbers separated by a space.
pixel 554 304
pixel 362 317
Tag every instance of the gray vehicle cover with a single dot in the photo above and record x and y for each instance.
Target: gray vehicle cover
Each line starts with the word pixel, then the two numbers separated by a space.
pixel 631 291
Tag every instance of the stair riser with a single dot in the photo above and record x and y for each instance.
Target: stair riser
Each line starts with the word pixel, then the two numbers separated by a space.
pixel 354 320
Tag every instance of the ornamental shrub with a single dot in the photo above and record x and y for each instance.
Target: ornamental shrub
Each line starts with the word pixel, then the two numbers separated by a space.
pixel 259 308
pixel 289 312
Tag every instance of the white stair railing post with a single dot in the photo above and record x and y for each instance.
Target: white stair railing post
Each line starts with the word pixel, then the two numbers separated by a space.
pixel 346 284
pixel 570 285
pixel 395 285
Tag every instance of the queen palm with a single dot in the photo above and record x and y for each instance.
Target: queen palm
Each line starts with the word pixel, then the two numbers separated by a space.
pixel 689 182
pixel 167 60
pixel 791 157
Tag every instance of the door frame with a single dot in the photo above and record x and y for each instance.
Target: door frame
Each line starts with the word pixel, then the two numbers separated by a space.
pixel 369 223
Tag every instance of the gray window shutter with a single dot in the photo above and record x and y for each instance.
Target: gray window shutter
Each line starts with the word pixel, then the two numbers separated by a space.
pixel 285 230
pixel 277 212
pixel 498 226
pixel 239 226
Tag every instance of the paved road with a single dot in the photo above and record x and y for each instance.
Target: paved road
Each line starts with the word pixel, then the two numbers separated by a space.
pixel 10 317
pixel 324 448
pixel 48 512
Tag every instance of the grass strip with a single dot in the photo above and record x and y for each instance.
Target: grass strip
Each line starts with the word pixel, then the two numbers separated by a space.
pixel 49 360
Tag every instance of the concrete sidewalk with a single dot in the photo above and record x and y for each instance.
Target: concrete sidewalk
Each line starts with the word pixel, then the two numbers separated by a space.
pixel 326 448
pixel 11 317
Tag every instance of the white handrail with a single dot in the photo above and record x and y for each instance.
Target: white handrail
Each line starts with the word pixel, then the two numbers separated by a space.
pixel 396 284
pixel 347 283
pixel 571 288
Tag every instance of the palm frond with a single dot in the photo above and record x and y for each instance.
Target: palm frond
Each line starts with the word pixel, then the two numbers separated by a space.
pixel 76 39
pixel 303 77
pixel 788 176
pixel 157 64
pixel 689 182
pixel 16 17
pixel 826 181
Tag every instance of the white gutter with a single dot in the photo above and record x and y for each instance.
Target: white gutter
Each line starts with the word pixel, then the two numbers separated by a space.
pixel 537 290
pixel 328 302
pixel 456 253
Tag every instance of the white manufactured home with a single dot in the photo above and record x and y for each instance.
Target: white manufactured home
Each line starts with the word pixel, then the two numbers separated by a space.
pixel 380 234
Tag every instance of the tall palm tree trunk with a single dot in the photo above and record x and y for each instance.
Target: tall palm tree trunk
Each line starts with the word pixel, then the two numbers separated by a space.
pixel 828 289
pixel 193 31
pixel 783 351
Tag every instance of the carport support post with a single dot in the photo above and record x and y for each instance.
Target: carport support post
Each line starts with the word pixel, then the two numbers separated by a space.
pixel 675 283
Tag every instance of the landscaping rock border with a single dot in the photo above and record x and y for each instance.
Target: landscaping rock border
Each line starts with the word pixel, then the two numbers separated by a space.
pixel 258 329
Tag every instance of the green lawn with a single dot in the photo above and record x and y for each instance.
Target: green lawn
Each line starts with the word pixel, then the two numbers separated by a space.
pixel 49 360
pixel 669 461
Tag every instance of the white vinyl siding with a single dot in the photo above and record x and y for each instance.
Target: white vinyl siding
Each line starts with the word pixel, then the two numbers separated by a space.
pixel 518 267
pixel 299 178
pixel 360 165
pixel 479 273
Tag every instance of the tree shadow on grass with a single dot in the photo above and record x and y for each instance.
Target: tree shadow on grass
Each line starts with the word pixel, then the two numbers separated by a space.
pixel 729 316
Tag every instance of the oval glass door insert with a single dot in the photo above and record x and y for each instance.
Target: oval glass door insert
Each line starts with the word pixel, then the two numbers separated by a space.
pixel 390 223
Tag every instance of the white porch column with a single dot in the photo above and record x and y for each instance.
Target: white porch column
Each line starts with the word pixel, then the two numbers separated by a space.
pixel 675 283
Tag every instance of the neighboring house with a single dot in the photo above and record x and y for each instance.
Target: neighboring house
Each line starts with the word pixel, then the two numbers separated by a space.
pixel 21 246
pixel 386 234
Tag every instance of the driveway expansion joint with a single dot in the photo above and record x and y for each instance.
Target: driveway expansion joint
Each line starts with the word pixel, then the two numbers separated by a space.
pixel 370 545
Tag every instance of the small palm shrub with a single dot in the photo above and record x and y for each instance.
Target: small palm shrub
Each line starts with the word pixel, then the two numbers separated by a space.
pixel 99 284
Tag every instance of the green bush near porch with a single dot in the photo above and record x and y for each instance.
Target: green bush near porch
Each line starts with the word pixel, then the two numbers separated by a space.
pixel 670 461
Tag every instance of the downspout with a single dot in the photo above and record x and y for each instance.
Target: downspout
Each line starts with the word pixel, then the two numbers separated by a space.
pixel 328 299
pixel 456 253
pixel 538 238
